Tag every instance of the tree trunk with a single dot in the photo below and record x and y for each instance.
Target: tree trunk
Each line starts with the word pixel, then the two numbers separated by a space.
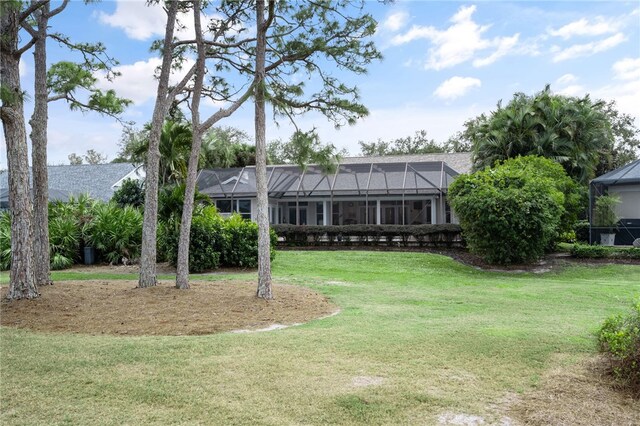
pixel 264 249
pixel 38 122
pixel 182 270
pixel 148 254
pixel 21 279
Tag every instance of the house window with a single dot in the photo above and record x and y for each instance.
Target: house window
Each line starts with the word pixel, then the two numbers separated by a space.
pixel 320 213
pixel 244 208
pixel 224 206
pixel 447 212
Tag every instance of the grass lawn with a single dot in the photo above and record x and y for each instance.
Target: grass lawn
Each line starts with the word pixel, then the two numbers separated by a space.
pixel 432 336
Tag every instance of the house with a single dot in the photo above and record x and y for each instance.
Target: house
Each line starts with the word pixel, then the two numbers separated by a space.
pixel 625 183
pixel 409 189
pixel 99 181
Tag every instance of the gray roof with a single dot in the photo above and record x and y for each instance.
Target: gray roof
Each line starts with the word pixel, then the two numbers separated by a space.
pixel 625 175
pixel 392 175
pixel 458 161
pixel 97 180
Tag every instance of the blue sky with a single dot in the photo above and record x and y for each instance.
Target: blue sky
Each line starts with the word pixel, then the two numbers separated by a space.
pixel 444 62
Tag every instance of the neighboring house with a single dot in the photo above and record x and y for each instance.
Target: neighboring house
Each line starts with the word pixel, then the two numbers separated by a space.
pixel 99 181
pixel 625 183
pixel 409 189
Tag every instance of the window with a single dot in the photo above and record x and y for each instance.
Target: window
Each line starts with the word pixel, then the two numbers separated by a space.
pixel 224 206
pixel 320 213
pixel 244 208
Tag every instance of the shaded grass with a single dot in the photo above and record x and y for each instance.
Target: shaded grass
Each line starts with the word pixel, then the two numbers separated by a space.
pixel 445 337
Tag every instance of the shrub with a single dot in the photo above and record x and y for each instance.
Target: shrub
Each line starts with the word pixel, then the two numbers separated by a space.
pixel 605 211
pixel 509 213
pixel 64 241
pixel 604 252
pixel 5 241
pixel 171 202
pixel 581 229
pixel 131 193
pixel 207 240
pixel 115 232
pixel 242 242
pixel 619 338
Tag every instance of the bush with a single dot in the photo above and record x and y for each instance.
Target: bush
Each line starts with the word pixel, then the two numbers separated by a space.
pixel 587 251
pixel 619 338
pixel 64 241
pixel 509 213
pixel 131 193
pixel 115 232
pixel 302 235
pixel 581 229
pixel 171 202
pixel 207 240
pixel 242 242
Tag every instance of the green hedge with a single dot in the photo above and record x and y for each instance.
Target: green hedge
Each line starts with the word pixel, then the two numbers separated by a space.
pixel 586 251
pixel 421 235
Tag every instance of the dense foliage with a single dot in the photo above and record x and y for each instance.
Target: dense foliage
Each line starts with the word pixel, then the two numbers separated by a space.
pixel 587 137
pixel 131 193
pixel 605 211
pixel 5 241
pixel 214 241
pixel 619 338
pixel 115 232
pixel 511 213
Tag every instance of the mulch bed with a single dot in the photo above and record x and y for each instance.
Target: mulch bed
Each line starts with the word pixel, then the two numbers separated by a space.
pixel 117 307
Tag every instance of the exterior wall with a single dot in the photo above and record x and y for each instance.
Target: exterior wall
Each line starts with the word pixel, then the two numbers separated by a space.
pixel 629 207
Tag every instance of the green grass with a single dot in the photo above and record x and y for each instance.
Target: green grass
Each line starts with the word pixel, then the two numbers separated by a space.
pixel 445 338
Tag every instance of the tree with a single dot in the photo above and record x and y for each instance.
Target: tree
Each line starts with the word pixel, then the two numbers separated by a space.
pixel 60 82
pixel 575 132
pixel 510 213
pixel 164 100
pixel 225 147
pixel 416 144
pixel 625 146
pixel 22 283
pixel 304 148
pixel 94 157
pixel 75 159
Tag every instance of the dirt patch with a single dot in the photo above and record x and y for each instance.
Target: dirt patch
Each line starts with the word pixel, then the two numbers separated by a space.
pixel 117 307
pixel 584 394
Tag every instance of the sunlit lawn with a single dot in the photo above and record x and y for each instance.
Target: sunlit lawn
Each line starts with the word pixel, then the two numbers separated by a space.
pixel 436 336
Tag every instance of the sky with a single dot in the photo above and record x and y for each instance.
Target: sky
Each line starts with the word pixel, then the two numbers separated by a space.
pixel 444 63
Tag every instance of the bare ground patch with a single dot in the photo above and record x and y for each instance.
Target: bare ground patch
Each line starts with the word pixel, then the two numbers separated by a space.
pixel 584 394
pixel 117 307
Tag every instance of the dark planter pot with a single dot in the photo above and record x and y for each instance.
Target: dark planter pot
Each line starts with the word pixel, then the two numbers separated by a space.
pixel 89 255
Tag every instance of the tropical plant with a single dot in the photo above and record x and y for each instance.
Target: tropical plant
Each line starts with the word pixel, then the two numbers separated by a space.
pixel 171 202
pixel 605 211
pixel 5 241
pixel 115 232
pixel 64 241
pixel 575 132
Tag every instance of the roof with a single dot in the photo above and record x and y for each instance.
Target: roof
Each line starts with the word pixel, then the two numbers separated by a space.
pixel 458 161
pixel 353 177
pixel 623 176
pixel 97 180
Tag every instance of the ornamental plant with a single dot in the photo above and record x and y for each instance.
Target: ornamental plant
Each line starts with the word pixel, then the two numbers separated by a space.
pixel 511 213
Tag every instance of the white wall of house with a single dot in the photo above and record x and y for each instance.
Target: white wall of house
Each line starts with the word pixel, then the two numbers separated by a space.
pixel 629 206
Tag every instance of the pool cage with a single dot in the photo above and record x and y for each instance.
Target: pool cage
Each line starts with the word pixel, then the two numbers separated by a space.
pixel 360 193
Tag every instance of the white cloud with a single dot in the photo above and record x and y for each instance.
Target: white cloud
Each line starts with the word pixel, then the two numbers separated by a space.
pixel 627 69
pixel 456 87
pixel 588 49
pixel 505 46
pixel 573 90
pixel 138 81
pixel 566 79
pixel 139 21
pixel 583 27
pixel 395 21
pixel 458 43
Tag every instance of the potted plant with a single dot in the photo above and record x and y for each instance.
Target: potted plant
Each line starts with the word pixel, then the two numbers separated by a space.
pixel 605 217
